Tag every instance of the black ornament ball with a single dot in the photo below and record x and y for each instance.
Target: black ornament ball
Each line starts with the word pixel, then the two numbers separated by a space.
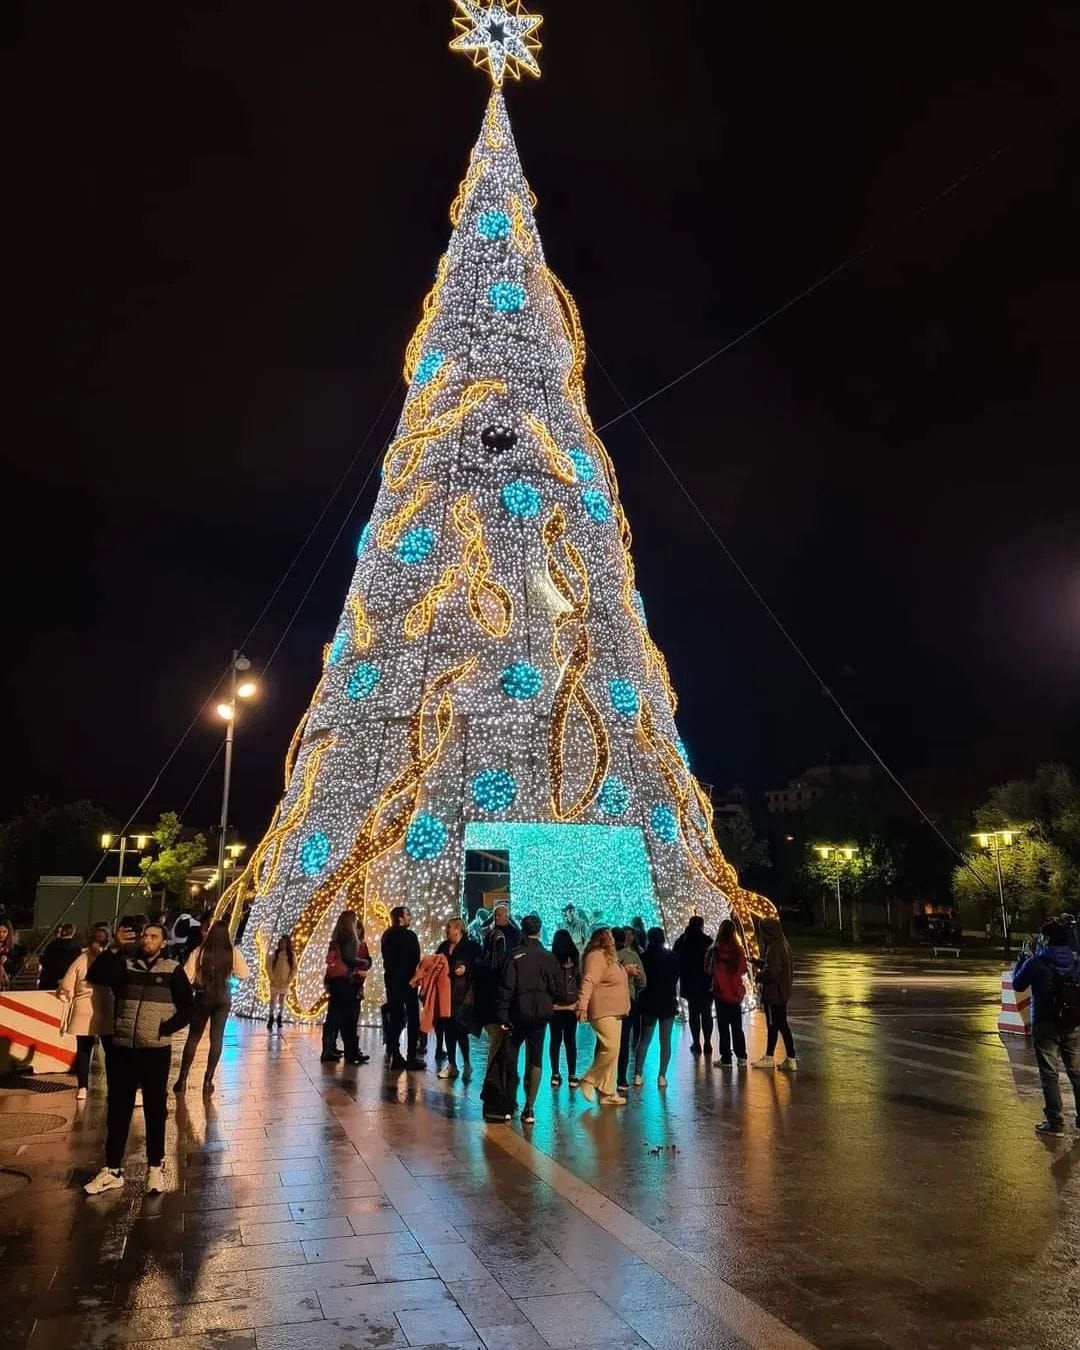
pixel 498 438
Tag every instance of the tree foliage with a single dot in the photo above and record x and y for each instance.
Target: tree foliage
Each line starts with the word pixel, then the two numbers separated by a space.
pixel 47 840
pixel 175 856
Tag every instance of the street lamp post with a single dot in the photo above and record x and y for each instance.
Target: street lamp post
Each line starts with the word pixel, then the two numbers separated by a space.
pixel 137 844
pixel 993 841
pixel 840 854
pixel 227 712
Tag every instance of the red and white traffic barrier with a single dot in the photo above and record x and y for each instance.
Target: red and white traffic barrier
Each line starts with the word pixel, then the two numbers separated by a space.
pixel 30 1031
pixel 1015 1015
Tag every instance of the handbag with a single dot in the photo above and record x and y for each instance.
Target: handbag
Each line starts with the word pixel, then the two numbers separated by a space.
pixel 336 969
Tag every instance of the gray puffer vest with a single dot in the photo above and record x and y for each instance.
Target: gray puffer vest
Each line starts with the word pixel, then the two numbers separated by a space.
pixel 143 1003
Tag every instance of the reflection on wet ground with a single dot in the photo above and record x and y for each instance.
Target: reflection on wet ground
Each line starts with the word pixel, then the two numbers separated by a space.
pixel 891 1193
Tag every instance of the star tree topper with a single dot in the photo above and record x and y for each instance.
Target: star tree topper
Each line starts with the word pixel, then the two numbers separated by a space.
pixel 498 37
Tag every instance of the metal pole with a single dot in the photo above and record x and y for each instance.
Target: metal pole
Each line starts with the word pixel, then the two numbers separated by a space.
pixel 839 907
pixel 119 879
pixel 1001 896
pixel 228 778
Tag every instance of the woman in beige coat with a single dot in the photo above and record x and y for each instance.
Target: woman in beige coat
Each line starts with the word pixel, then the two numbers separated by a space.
pixel 88 1012
pixel 604 1001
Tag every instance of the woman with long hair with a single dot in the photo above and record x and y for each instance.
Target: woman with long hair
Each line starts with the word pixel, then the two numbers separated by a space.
pixel 347 963
pixel 564 1016
pixel 659 1003
pixel 210 967
pixel 88 1014
pixel 726 963
pixel 12 955
pixel 280 969
pixel 461 952
pixel 603 1001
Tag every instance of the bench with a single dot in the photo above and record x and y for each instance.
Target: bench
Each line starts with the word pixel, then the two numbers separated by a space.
pixel 955 951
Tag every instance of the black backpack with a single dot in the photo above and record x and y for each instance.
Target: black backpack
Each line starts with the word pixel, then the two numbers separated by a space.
pixel 1066 1000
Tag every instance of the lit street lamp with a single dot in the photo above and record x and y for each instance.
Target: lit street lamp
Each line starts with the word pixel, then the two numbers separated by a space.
pixel 136 843
pixel 841 854
pixel 227 712
pixel 993 841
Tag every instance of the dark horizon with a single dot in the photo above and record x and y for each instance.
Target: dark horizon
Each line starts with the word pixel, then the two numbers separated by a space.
pixel 232 220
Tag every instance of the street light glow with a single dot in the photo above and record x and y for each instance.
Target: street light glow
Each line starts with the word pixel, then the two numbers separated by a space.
pixel 247 690
pixel 107 840
pixel 141 841
pixel 226 711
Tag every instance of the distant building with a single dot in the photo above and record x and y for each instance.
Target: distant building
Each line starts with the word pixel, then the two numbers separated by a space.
pixel 801 793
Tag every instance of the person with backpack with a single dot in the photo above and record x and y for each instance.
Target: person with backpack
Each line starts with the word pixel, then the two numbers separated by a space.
pixel 530 980
pixel 502 938
pixel 209 969
pixel 1053 976
pixel 726 963
pixel 347 964
pixel 564 1007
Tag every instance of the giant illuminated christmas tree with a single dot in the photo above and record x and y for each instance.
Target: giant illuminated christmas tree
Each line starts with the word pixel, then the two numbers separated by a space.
pixel 492 683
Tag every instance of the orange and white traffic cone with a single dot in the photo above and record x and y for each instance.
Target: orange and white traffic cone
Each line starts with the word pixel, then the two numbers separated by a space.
pixel 1015 1015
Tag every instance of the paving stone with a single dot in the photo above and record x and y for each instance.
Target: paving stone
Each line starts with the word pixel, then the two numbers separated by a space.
pixel 382 1298
pixel 683 1328
pixel 218 1259
pixel 409 1266
pixel 99 1330
pixel 428 1326
pixel 455 1261
pixel 360 1333
pixel 486 1303
pixel 567 1320
pixel 323 1275
pixel 262 1234
pixel 370 1244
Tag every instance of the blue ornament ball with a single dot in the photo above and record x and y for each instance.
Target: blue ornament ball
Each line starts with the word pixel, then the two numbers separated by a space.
pixel 494 789
pixel 428 367
pixel 614 797
pixel 362 681
pixel 521 499
pixel 597 505
pixel 415 544
pixel 314 854
pixel 586 470
pixel 337 649
pixel 492 225
pixel 624 698
pixel 664 824
pixel 426 838
pixel 506 297
pixel 521 681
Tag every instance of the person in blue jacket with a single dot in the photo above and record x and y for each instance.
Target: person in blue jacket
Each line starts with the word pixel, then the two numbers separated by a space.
pixel 1039 971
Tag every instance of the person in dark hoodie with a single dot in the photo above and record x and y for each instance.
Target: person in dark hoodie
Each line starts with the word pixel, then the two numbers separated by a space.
pixel 1055 1044
pixel 695 983
pixel 400 956
pixel 530 980
pixel 659 1003
pixel 58 957
pixel 776 974
pixel 501 938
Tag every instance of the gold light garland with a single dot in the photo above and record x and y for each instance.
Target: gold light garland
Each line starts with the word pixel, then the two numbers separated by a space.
pixel 405 454
pixel 560 463
pixel 493 137
pixel 473 175
pixel 422 615
pixel 430 309
pixel 382 829
pixel 418 409
pixel 489 603
pixel 696 828
pixel 362 632
pixel 262 974
pixel 570 578
pixel 520 234
pixel 393 527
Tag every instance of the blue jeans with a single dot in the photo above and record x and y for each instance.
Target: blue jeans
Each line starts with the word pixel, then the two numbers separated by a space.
pixel 1052 1049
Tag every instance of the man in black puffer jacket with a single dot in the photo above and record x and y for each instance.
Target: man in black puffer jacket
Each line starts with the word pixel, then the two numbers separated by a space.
pixel 530 980
pixel 695 983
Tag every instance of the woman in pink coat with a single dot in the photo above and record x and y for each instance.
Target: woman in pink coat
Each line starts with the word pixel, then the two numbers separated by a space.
pixel 88 1013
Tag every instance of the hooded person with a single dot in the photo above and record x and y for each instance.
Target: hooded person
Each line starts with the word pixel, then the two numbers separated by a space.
pixel 776 975
pixel 1052 973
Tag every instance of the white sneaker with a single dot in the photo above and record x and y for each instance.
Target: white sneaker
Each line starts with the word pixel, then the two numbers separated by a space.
pixel 790 1064
pixel 80 1096
pixel 447 1071
pixel 106 1180
pixel 155 1180
pixel 765 1062
pixel 661 1081
pixel 638 1080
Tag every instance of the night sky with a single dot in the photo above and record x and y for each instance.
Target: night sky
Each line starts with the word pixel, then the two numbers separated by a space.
pixel 229 214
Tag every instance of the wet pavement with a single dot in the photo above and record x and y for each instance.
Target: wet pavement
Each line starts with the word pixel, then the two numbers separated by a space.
pixel 891 1193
